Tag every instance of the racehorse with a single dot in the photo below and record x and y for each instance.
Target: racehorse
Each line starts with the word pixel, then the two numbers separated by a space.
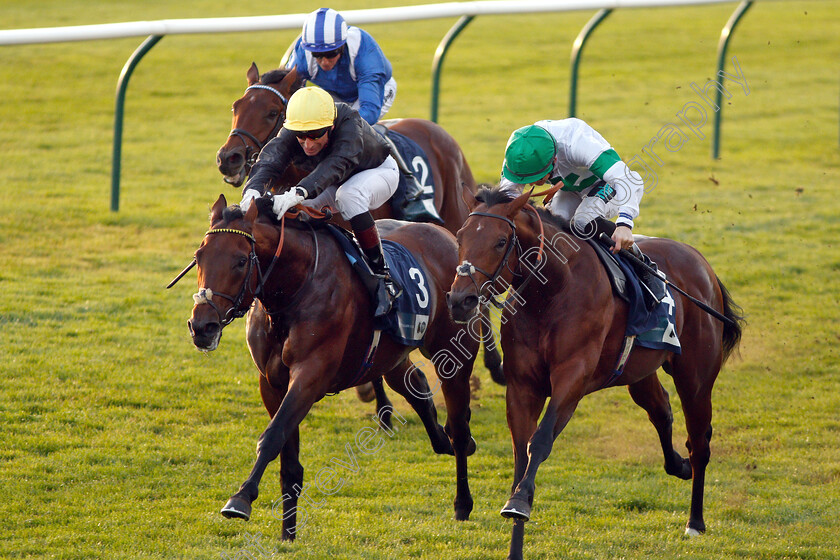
pixel 258 116
pixel 563 332
pixel 315 333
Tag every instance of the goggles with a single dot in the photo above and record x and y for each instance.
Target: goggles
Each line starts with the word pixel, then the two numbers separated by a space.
pixel 311 134
pixel 328 54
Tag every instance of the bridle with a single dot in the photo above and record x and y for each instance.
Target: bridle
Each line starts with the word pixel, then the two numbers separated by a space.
pixel 205 295
pixel 252 152
pixel 467 269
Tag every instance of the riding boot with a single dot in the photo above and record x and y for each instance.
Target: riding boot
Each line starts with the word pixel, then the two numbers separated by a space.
pixel 413 207
pixel 387 289
pixel 653 287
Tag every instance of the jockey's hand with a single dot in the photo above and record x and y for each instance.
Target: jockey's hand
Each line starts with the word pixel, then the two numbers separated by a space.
pixel 247 197
pixel 284 201
pixel 623 238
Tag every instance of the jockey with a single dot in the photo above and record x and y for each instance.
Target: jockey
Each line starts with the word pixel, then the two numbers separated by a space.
pixel 597 184
pixel 348 167
pixel 348 63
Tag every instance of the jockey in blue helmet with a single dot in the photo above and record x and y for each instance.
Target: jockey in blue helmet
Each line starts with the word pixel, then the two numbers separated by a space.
pixel 348 63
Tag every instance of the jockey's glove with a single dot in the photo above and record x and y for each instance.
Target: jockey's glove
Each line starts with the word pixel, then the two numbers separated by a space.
pixel 247 197
pixel 284 201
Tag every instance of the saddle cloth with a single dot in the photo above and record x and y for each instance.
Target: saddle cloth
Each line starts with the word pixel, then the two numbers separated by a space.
pixel 651 328
pixel 409 317
pixel 416 159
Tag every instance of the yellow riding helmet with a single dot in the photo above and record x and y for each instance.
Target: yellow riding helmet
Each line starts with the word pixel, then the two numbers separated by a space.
pixel 310 108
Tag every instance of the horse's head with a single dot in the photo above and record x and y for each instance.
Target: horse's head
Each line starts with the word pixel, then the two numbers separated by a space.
pixel 486 243
pixel 228 273
pixel 257 118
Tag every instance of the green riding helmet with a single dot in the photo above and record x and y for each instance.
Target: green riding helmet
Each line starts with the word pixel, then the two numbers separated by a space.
pixel 529 155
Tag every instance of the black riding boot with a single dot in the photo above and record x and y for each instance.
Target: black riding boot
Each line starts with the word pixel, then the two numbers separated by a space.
pixel 387 289
pixel 653 287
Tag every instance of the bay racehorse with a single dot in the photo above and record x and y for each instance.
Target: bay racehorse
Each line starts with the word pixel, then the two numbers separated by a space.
pixel 258 116
pixel 314 331
pixel 562 333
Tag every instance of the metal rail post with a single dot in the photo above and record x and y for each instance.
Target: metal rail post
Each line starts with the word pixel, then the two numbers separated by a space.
pixel 122 85
pixel 577 51
pixel 437 63
pixel 723 43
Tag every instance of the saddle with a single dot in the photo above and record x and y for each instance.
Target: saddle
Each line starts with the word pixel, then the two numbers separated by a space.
pixel 618 279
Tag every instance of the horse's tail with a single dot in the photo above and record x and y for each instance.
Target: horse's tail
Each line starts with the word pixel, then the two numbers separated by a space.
pixel 731 331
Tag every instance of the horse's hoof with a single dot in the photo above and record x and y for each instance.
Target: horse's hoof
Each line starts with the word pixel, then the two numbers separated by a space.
pixel 237 508
pixel 496 373
pixel 681 468
pixel 693 528
pixel 366 392
pixel 516 508
pixel 471 447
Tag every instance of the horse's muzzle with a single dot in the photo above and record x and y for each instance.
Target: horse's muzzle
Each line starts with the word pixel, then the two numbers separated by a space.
pixel 231 164
pixel 462 305
pixel 205 334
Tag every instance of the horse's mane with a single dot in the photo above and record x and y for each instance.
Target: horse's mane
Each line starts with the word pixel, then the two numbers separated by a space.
pixel 492 195
pixel 274 76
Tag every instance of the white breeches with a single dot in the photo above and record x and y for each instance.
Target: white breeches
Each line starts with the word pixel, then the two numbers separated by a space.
pixel 363 191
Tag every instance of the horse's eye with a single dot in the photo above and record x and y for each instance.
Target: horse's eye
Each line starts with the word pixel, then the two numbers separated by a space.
pixel 273 114
pixel 501 243
pixel 242 262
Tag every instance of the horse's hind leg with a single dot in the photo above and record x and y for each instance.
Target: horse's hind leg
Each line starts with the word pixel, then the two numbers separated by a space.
pixel 653 398
pixel 694 375
pixel 410 382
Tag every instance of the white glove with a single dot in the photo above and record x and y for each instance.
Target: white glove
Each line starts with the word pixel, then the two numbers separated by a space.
pixel 283 202
pixel 248 196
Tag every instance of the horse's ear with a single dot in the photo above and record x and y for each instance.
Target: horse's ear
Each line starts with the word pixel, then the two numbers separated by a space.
pixel 218 209
pixel 516 204
pixel 469 199
pixel 252 213
pixel 253 74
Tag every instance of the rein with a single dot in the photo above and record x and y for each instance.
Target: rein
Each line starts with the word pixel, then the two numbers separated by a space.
pixel 251 153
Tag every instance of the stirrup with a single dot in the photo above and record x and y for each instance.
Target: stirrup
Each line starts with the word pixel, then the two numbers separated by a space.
pixel 387 292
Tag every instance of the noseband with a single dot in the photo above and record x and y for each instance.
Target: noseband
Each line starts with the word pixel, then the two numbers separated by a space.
pixel 252 152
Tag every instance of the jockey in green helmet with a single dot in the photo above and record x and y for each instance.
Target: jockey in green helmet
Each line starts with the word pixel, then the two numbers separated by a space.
pixel 597 185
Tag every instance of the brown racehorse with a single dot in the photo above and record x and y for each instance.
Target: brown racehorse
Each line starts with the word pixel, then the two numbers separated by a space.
pixel 314 333
pixel 564 330
pixel 258 116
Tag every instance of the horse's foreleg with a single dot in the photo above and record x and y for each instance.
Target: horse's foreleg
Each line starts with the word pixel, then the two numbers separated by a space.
pixel 294 407
pixel 649 394
pixel 517 540
pixel 560 408
pixel 291 478
pixel 523 411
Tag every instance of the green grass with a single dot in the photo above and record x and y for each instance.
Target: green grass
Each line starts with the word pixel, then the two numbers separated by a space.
pixel 119 440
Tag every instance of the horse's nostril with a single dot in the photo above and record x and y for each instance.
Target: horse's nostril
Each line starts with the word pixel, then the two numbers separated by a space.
pixel 470 302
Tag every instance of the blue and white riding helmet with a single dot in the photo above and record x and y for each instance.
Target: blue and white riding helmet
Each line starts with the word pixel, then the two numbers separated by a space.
pixel 324 30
